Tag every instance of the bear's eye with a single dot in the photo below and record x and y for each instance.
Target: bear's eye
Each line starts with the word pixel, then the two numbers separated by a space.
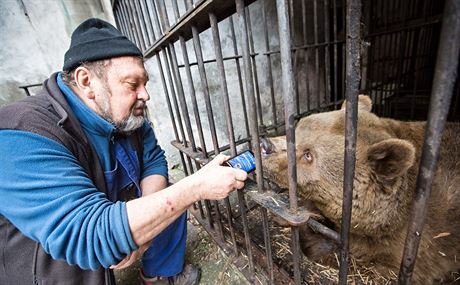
pixel 308 156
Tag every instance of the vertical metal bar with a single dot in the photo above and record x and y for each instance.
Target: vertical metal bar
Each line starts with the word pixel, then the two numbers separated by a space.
pixel 227 109
pixel 240 79
pixel 176 108
pixel 327 79
pixel 253 60
pixel 164 20
pixel 441 95
pixel 188 4
pixel 353 18
pixel 269 64
pixel 207 98
pixel 193 95
pixel 129 24
pixel 156 17
pixel 295 56
pixel 119 20
pixel 255 143
pixel 223 81
pixel 306 51
pixel 133 13
pixel 141 23
pixel 289 113
pixel 204 83
pixel 147 20
pixel 171 114
pixel 315 35
pixel 336 76
pixel 176 10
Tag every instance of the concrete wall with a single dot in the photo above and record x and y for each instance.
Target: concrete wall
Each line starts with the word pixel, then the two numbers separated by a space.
pixel 34 35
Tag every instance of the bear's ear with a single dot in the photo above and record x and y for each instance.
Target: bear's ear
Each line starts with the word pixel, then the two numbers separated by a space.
pixel 364 103
pixel 391 158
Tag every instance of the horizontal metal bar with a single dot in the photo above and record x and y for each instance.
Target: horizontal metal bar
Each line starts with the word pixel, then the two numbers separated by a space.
pixel 198 155
pixel 198 17
pixel 275 204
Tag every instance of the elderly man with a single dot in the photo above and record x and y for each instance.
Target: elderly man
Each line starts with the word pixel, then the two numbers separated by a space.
pixel 73 157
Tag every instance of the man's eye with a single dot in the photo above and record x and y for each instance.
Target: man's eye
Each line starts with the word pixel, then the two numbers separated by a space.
pixel 132 84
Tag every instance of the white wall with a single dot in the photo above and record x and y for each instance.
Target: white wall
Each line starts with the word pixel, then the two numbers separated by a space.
pixel 34 35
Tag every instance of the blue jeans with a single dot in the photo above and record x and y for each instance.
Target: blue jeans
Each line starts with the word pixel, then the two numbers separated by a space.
pixel 165 257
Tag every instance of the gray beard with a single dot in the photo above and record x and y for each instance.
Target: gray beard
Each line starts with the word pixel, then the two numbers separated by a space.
pixel 125 126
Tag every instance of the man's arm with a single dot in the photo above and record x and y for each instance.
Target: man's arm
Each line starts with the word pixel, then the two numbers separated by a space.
pixel 152 184
pixel 149 215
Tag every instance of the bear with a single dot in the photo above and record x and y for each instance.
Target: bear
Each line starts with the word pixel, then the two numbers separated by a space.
pixel 387 163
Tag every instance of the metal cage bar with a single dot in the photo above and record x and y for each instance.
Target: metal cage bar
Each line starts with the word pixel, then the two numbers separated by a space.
pixel 351 123
pixel 290 108
pixel 441 97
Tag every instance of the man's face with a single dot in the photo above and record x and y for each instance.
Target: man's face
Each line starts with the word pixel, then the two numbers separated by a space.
pixel 121 98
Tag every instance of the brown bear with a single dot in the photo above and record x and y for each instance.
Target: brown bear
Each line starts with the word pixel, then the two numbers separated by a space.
pixel 387 162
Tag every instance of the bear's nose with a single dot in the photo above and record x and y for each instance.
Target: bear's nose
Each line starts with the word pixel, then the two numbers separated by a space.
pixel 265 146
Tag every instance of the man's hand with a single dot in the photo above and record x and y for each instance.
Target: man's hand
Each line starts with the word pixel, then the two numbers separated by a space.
pixel 130 259
pixel 216 181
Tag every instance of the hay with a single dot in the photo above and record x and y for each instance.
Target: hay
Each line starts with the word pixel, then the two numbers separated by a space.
pixel 317 273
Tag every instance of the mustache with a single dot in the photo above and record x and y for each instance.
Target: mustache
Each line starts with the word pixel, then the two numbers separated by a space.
pixel 139 104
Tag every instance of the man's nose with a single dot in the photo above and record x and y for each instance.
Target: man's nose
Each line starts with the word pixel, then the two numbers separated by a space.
pixel 143 94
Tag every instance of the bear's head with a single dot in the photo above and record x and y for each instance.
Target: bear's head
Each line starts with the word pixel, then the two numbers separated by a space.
pixel 381 187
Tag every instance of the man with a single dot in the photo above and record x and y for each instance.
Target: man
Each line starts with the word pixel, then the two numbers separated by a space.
pixel 69 158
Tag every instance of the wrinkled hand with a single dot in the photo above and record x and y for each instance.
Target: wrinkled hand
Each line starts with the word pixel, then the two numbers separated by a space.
pixel 130 259
pixel 216 182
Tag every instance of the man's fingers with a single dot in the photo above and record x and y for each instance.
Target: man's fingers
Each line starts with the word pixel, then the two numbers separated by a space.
pixel 219 159
pixel 239 184
pixel 240 175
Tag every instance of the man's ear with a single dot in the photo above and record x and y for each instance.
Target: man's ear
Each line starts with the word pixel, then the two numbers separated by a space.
pixel 391 158
pixel 364 103
pixel 83 82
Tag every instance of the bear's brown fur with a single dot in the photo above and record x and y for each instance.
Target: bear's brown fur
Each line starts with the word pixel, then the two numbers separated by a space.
pixel 387 158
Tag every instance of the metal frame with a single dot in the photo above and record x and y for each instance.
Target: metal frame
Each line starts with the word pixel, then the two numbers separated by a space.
pixel 148 24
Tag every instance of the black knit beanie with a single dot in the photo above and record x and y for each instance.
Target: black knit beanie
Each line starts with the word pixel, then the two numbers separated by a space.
pixel 95 39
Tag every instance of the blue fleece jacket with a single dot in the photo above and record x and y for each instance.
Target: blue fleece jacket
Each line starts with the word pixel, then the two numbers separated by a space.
pixel 48 196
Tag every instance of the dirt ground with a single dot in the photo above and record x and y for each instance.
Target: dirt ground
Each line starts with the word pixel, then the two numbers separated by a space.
pixel 216 266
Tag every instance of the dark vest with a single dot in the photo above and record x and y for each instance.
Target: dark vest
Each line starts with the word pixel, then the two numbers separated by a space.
pixel 24 260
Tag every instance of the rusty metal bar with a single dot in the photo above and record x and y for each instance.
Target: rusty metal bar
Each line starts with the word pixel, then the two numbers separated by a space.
pixel 441 95
pixel 227 109
pixel 334 24
pixel 171 114
pixel 204 83
pixel 269 63
pixel 254 66
pixel 146 18
pixel 141 23
pixel 290 108
pixel 176 10
pixel 164 20
pixel 176 108
pixel 133 20
pixel 327 76
pixel 198 17
pixel 209 111
pixel 156 17
pixel 315 36
pixel 353 22
pixel 240 78
pixel 253 127
pixel 129 23
pixel 223 82
pixel 193 95
pixel 189 130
